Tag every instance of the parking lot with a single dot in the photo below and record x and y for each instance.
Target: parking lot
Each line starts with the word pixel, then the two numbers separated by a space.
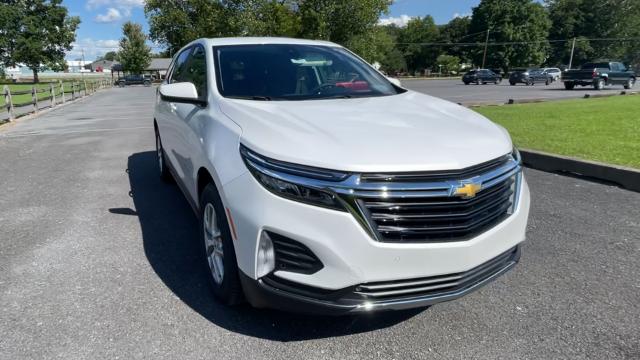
pixel 98 259
pixel 456 91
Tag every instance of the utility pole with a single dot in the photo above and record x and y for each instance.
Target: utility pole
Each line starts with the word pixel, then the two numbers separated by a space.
pixel 486 45
pixel 573 48
pixel 82 65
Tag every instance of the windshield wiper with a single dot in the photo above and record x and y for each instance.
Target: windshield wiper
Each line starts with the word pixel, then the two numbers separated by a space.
pixel 259 98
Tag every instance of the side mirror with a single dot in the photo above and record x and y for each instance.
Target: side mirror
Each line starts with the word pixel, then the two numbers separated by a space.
pixel 395 81
pixel 184 92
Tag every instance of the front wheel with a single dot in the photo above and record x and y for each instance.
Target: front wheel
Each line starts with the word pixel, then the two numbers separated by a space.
pixel 165 174
pixel 569 85
pixel 630 84
pixel 218 250
pixel 512 83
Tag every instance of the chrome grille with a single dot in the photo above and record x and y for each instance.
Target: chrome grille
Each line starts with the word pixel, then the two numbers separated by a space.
pixel 439 285
pixel 409 210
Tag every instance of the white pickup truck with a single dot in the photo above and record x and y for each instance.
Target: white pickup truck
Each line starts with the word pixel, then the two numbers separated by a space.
pixel 324 187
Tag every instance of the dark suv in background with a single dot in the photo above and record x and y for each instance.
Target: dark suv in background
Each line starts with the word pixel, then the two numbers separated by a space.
pixel 530 77
pixel 134 80
pixel 481 76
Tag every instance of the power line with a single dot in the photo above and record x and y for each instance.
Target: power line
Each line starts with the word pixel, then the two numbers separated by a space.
pixel 514 42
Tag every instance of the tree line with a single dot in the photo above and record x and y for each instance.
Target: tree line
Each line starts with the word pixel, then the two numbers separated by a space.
pixel 519 33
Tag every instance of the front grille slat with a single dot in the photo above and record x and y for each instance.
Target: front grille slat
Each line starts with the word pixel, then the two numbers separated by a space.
pixel 438 285
pixel 294 256
pixel 411 214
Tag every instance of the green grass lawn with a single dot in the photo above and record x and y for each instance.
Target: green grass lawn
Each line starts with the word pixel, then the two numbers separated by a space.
pixel 601 129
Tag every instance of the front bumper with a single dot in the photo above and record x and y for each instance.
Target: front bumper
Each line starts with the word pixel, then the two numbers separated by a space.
pixel 271 292
pixel 350 256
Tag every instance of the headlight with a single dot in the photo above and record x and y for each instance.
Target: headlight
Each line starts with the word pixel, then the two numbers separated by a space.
pixel 295 182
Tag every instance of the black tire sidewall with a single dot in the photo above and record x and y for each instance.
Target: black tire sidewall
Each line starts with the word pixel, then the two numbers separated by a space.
pixel 165 174
pixel 229 291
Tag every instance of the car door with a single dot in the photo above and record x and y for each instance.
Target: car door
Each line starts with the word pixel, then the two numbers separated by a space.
pixel 189 119
pixel 167 115
pixel 618 73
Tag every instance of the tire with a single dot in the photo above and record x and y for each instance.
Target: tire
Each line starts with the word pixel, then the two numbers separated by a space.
pixel 630 84
pixel 147 83
pixel 547 82
pixel 512 83
pixel 477 82
pixel 161 160
pixel 466 83
pixel 121 84
pixel 599 84
pixel 217 247
pixel 531 82
pixel 569 85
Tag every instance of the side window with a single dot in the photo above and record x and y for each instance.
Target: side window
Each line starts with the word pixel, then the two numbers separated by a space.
pixel 195 71
pixel 615 66
pixel 179 67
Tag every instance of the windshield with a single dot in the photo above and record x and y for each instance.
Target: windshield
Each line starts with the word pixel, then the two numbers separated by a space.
pixel 295 72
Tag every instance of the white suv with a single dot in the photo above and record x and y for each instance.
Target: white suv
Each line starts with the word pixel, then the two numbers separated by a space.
pixel 322 186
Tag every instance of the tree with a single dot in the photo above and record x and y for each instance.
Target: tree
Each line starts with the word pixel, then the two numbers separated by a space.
pixel 589 19
pixel 414 43
pixel 448 63
pixel 339 20
pixel 457 31
pixel 110 56
pixel 10 15
pixel 36 33
pixel 176 23
pixel 522 24
pixel 134 53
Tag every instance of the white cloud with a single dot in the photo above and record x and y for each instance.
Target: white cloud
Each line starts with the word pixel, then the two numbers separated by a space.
pixel 458 15
pixel 92 48
pixel 118 9
pixel 112 15
pixel 400 21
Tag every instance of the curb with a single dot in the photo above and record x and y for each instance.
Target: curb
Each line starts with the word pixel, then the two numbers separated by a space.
pixel 627 178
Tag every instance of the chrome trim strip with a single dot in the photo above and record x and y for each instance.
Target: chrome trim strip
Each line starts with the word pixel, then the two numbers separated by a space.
pixel 351 190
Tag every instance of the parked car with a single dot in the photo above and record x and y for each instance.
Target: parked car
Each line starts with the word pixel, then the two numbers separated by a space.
pixel 529 77
pixel 134 80
pixel 556 74
pixel 322 187
pixel 599 75
pixel 481 76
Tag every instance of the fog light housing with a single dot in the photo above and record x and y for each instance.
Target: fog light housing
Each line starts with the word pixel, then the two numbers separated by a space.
pixel 266 261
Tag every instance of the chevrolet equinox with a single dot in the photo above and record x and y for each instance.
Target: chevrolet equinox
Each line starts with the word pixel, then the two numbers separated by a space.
pixel 321 186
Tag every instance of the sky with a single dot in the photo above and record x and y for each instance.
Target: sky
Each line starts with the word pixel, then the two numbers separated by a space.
pixel 102 20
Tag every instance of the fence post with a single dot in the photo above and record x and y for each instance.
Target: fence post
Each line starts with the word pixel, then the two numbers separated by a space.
pixel 62 91
pixel 52 94
pixel 34 98
pixel 8 102
pixel 85 87
pixel 73 90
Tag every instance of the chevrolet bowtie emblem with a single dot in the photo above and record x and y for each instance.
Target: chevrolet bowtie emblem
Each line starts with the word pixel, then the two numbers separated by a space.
pixel 467 191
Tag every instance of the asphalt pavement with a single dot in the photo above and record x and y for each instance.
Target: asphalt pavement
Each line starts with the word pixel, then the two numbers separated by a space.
pixel 98 260
pixel 456 91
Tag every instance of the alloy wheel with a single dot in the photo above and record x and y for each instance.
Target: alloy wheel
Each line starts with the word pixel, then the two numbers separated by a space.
pixel 213 243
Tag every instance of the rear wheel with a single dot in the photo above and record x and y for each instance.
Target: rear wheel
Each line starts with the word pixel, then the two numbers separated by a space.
pixel 512 83
pixel 477 82
pixel 531 82
pixel 630 84
pixel 599 84
pixel 218 250
pixel 569 85
pixel 466 83
pixel 547 82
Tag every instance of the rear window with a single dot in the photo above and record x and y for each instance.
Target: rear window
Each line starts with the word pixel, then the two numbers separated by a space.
pixel 589 66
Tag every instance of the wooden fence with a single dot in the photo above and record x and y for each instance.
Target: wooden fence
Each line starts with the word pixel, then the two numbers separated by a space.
pixel 55 94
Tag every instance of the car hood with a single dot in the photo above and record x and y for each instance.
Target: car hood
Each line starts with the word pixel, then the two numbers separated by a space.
pixel 405 132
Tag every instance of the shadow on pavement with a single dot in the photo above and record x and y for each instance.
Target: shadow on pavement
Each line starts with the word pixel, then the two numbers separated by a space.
pixel 169 230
